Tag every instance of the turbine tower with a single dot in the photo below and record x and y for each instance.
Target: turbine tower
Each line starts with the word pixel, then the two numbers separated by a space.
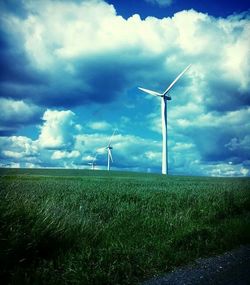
pixel 110 159
pixel 164 99
pixel 109 151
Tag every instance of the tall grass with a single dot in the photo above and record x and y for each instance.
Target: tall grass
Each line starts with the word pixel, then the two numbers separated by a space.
pixel 93 227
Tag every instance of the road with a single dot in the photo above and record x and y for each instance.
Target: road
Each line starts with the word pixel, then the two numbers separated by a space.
pixel 230 268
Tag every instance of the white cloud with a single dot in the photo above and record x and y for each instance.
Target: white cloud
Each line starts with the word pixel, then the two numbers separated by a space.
pixel 209 101
pixel 128 150
pixel 244 171
pixel 69 30
pixel 152 155
pixel 58 29
pixel 58 129
pixel 60 35
pixel 226 170
pixel 14 113
pixel 65 154
pixel 16 108
pixel 212 119
pixel 12 154
pixel 206 137
pixel 179 146
pixel 18 150
pixel 101 125
pixel 10 165
pixel 160 2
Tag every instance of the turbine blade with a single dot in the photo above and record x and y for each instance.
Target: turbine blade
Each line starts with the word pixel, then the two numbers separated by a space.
pixel 110 155
pixel 101 149
pixel 150 92
pixel 94 158
pixel 115 130
pixel 176 79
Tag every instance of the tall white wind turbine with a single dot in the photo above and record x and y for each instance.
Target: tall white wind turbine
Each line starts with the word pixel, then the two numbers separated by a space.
pixel 164 99
pixel 109 151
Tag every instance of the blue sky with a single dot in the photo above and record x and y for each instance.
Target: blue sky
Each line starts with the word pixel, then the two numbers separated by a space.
pixel 70 72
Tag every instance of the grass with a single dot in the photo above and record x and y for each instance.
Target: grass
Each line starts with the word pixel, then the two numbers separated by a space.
pixel 95 227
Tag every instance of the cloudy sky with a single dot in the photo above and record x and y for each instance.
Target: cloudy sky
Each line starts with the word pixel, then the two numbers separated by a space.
pixel 70 71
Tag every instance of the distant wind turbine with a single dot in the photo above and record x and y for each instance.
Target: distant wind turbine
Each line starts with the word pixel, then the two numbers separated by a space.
pixel 93 163
pixel 109 151
pixel 164 99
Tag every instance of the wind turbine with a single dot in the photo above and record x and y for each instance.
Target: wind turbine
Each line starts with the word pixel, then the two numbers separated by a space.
pixel 109 151
pixel 164 99
pixel 92 164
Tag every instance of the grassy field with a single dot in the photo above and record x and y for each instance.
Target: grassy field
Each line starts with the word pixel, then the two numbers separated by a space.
pixel 95 227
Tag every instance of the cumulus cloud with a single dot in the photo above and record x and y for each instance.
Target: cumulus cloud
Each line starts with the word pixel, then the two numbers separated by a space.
pixel 52 148
pixel 57 131
pixel 18 151
pixel 57 39
pixel 80 53
pixel 206 138
pixel 19 144
pixel 226 170
pixel 130 152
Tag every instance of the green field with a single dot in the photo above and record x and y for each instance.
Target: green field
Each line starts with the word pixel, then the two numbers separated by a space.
pixel 98 227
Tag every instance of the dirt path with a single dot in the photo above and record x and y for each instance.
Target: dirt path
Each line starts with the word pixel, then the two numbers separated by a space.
pixel 231 268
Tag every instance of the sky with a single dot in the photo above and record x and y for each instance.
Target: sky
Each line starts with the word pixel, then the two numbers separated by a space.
pixel 70 72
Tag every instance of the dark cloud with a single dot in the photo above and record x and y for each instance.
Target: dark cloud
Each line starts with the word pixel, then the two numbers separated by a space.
pixel 224 95
pixel 15 7
pixel 15 114
pixel 6 133
pixel 218 143
pixel 18 78
pixel 95 80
